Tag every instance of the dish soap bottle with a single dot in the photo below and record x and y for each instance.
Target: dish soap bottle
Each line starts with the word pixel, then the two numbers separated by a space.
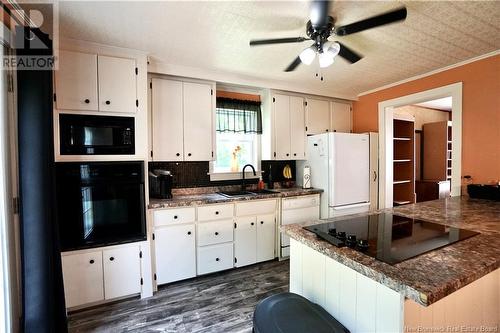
pixel 260 185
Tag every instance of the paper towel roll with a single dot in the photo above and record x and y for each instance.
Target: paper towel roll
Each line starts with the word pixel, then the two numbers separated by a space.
pixel 306 180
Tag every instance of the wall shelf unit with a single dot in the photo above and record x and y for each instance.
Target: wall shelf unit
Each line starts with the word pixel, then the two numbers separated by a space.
pixel 404 155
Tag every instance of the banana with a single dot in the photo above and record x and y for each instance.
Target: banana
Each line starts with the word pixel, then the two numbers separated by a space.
pixel 287 172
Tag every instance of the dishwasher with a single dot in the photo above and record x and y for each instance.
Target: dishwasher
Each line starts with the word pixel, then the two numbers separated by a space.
pixel 296 210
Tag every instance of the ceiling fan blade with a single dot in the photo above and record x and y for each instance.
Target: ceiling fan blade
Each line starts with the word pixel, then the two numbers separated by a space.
pixel 319 13
pixel 372 22
pixel 349 54
pixel 256 42
pixel 296 62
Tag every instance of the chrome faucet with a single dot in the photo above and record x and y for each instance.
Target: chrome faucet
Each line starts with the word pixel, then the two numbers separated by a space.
pixel 243 185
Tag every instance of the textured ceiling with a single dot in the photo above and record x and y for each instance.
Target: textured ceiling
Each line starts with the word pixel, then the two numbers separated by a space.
pixel 214 35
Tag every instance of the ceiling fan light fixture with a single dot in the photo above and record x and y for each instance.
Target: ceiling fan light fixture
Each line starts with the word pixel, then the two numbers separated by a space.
pixel 307 55
pixel 325 59
pixel 333 48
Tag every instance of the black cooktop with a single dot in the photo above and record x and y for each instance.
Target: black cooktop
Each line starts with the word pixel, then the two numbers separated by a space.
pixel 388 237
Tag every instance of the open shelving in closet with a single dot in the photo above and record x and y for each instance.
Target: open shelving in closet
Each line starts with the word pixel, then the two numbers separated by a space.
pixel 404 160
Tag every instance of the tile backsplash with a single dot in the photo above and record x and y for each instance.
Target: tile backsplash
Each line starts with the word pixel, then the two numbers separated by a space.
pixel 195 174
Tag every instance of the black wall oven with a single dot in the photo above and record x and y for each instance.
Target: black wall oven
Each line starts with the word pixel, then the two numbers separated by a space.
pixel 96 135
pixel 100 203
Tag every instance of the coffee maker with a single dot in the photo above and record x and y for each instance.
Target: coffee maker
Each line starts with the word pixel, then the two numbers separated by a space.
pixel 160 184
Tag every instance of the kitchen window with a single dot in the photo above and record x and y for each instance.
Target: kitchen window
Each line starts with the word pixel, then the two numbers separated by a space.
pixel 238 128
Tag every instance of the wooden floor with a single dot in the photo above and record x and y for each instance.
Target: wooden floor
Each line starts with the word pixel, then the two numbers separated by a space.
pixel 220 302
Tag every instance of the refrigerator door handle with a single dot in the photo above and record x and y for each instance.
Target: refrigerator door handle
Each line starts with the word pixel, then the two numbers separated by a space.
pixel 352 206
pixel 374 175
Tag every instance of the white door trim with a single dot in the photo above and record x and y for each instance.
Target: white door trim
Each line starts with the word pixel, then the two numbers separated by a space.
pixel 385 123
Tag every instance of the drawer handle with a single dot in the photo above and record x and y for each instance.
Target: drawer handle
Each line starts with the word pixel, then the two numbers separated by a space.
pixel 91 261
pixel 189 232
pixel 217 212
pixel 108 102
pixel 251 223
pixel 287 154
pixel 111 258
pixel 294 154
pixel 178 154
pixel 261 222
pixel 216 233
pixel 175 217
pixel 217 259
pixel 87 101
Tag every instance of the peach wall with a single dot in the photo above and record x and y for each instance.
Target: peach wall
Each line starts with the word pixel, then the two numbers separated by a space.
pixel 480 113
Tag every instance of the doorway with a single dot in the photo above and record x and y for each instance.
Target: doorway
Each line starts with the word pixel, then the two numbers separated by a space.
pixel 401 148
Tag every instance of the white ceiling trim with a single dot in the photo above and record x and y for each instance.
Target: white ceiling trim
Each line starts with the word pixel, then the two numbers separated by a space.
pixel 159 67
pixel 439 70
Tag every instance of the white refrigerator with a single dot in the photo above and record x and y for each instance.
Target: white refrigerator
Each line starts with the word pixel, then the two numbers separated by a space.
pixel 340 165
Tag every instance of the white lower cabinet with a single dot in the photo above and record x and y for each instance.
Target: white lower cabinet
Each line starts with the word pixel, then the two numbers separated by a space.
pixel 215 258
pixel 122 271
pixel 255 234
pixel 175 253
pixel 266 227
pixel 82 275
pixel 245 241
pixel 101 274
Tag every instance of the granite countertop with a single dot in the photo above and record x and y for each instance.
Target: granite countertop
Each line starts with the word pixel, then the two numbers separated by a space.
pixel 434 275
pixel 212 198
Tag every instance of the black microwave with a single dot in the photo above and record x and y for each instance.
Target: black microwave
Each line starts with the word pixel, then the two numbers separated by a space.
pixel 96 135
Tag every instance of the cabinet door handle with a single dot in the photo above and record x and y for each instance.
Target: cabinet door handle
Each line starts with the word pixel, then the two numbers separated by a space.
pixel 287 154
pixel 216 233
pixel 175 217
pixel 189 154
pixel 217 259
pixel 87 101
pixel 108 102
pixel 178 154
pixel 111 258
pixel 251 223
pixel 374 175
pixel 91 261
pixel 217 212
pixel 189 232
pixel 261 222
pixel 294 154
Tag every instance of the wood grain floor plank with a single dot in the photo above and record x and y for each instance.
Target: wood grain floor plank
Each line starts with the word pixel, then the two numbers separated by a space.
pixel 220 302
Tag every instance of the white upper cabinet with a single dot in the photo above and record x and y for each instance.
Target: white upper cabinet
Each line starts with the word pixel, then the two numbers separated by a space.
pixel 167 119
pixel 198 117
pixel 282 127
pixel 340 117
pixel 93 82
pixel 117 84
pixel 317 116
pixel 76 81
pixel 297 128
pixel 182 120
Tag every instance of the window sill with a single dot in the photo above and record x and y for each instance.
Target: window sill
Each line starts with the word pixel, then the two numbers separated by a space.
pixel 216 176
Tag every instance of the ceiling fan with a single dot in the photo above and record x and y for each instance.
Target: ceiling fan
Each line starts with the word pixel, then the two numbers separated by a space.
pixel 321 26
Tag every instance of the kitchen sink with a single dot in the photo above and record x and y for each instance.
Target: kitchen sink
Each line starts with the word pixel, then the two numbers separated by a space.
pixel 232 194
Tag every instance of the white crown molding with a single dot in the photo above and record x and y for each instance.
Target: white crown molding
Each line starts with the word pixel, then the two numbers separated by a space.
pixel 439 70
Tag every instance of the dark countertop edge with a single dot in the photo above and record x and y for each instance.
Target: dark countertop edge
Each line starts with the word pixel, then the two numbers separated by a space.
pixel 180 202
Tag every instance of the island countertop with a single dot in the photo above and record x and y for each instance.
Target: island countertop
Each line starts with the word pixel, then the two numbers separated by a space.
pixel 434 275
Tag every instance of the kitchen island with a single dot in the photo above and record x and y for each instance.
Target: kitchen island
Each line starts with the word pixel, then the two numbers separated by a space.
pixel 451 289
